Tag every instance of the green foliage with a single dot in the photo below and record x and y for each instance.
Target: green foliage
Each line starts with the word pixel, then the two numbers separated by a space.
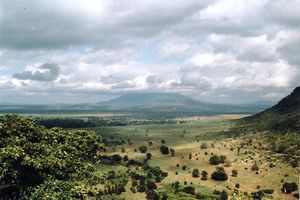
pixel 164 150
pixel 214 160
pixel 219 175
pixel 289 187
pixel 196 173
pixel 224 195
pixel 33 158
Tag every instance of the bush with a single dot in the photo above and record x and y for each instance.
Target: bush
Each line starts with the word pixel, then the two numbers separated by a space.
pixel 149 156
pixel 164 150
pixel 268 191
pixel 289 187
pixel 125 158
pixel 151 185
pixel 204 175
pixel 234 173
pixel 39 160
pixel 219 175
pixel 189 190
pixel 281 148
pixel 224 195
pixel 143 149
pixel 214 160
pixel 172 152
pixel 255 167
pixel 196 173
pixel 203 146
pixel 116 158
pixel 222 159
pixel 294 163
pixel 152 195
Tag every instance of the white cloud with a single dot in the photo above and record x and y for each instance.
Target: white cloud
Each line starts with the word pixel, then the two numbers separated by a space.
pixel 198 48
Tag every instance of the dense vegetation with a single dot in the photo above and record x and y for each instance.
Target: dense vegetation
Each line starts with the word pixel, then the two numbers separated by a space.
pixel 37 163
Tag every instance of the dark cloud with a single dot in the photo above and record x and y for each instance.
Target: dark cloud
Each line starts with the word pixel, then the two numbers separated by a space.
pixel 46 72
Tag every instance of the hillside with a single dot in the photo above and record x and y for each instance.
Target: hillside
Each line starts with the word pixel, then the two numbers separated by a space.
pixel 284 116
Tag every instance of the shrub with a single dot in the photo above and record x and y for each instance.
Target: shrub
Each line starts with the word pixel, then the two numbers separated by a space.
pixel 234 173
pixel 125 158
pixel 255 167
pixel 268 191
pixel 219 175
pixel 151 185
pixel 203 146
pixel 184 167
pixel 172 152
pixel 189 190
pixel 214 160
pixel 196 173
pixel 149 156
pixel 204 175
pixel 224 195
pixel 123 150
pixel 164 150
pixel 257 195
pixel 222 159
pixel 164 196
pixel 281 148
pixel 143 149
pixel 289 187
pixel 294 163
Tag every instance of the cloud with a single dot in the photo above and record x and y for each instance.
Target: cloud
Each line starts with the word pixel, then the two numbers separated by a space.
pixel 220 50
pixel 46 72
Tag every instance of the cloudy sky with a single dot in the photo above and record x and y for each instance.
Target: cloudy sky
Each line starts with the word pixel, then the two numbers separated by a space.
pixel 75 51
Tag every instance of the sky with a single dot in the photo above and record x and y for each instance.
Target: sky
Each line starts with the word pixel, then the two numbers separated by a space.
pixel 76 51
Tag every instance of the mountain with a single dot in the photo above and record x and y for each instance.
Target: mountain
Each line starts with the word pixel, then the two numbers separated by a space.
pixel 284 116
pixel 157 104
pixel 173 103
pixel 146 99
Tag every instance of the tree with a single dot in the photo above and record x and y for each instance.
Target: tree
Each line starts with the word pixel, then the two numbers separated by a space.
pixel 149 156
pixel 39 160
pixel 234 173
pixel 143 149
pixel 125 158
pixel 172 152
pixel 214 160
pixel 196 173
pixel 219 175
pixel 222 159
pixel 189 190
pixel 152 195
pixel 164 150
pixel 224 195
pixel 289 187
pixel 204 175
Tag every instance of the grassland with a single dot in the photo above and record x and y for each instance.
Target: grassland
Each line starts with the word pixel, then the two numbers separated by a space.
pixel 185 139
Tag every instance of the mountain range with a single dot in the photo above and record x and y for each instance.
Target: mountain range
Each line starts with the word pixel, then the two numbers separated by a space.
pixel 143 103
